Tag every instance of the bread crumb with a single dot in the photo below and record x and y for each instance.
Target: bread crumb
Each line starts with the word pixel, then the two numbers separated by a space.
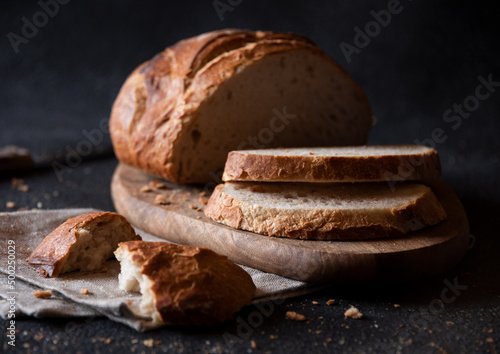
pixel 23 188
pixel 330 302
pixel 315 303
pixel 38 337
pixel 10 205
pixel 146 189
pixel 353 313
pixel 273 336
pixel 490 330
pixel 253 345
pixel 14 182
pixel 160 199
pixel 450 323
pixel 148 342
pixel 295 316
pixel 135 340
pixel 329 340
pixel 203 198
pixel 42 294
pixel 490 340
pixel 158 185
pixel 85 291
pixel 397 305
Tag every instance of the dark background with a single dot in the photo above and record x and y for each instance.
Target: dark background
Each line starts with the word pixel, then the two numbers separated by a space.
pixel 428 58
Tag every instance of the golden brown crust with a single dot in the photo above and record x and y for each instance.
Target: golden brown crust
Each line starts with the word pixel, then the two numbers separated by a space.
pixel 320 224
pixel 51 254
pixel 192 285
pixel 160 98
pixel 246 166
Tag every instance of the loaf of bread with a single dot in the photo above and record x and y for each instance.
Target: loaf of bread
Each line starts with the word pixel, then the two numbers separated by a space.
pixel 335 211
pixel 334 164
pixel 83 243
pixel 183 285
pixel 180 113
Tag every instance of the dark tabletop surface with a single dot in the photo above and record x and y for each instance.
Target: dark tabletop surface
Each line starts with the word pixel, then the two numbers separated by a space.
pixel 59 80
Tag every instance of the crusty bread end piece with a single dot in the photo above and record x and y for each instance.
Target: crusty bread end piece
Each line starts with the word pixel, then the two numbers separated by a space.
pixel 83 243
pixel 334 164
pixel 335 211
pixel 183 285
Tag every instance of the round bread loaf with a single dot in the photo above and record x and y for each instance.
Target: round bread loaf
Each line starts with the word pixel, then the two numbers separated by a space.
pixel 180 113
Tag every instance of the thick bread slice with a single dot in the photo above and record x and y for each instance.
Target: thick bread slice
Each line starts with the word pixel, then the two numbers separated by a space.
pixel 179 114
pixel 183 285
pixel 336 211
pixel 81 243
pixel 334 164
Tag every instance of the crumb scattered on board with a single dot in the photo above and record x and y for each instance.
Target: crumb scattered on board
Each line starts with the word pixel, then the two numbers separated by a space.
pixel 10 205
pixel 85 291
pixel 161 200
pixel 353 312
pixel 253 344
pixel 158 185
pixel 295 316
pixel 203 198
pixel 330 302
pixel 42 294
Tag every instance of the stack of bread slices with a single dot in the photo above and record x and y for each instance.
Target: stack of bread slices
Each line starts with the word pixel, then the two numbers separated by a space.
pixel 334 193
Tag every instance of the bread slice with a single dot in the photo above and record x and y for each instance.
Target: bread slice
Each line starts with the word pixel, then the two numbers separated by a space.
pixel 334 164
pixel 84 243
pixel 178 115
pixel 336 211
pixel 183 285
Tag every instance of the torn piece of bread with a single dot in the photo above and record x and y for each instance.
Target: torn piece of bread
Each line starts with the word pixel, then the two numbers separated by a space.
pixel 334 211
pixel 180 113
pixel 83 243
pixel 183 285
pixel 334 164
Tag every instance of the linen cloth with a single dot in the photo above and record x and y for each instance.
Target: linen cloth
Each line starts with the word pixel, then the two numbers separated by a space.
pixel 28 228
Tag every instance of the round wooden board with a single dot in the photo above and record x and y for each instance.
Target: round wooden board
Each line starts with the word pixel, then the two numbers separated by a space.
pixel 420 254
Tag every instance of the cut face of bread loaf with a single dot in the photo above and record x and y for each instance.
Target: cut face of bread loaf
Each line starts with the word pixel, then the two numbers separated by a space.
pixel 183 285
pixel 334 164
pixel 81 243
pixel 325 211
pixel 179 114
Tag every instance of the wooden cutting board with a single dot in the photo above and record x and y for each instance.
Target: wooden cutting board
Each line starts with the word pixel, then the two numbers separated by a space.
pixel 420 254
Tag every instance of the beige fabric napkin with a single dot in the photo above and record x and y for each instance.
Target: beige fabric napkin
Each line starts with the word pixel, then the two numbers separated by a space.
pixel 27 229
